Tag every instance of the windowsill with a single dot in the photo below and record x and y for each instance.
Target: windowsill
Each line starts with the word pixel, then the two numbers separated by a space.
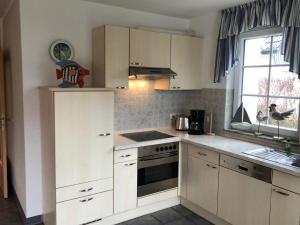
pixel 263 137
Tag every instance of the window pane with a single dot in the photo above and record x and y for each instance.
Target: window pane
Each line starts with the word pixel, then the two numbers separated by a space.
pixel 284 83
pixel 256 80
pixel 253 105
pixel 284 105
pixel 277 58
pixel 257 51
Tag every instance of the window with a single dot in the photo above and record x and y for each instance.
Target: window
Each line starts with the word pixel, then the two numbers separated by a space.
pixel 264 79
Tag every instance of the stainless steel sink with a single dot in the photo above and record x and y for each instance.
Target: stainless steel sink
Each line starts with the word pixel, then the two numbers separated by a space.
pixel 277 156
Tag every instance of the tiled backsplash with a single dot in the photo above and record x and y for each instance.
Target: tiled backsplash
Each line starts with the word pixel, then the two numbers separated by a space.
pixel 143 107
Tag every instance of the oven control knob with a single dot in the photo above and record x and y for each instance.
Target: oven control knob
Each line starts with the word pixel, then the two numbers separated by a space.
pixel 166 148
pixel 157 149
pixel 161 149
pixel 170 147
pixel 174 146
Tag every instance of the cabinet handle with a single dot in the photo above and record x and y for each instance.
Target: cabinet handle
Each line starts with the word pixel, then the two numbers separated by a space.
pixel 121 87
pixel 214 167
pixel 125 156
pixel 86 200
pixel 176 87
pixel 202 154
pixel 104 135
pixel 281 192
pixel 94 221
pixel 130 164
pixel 86 190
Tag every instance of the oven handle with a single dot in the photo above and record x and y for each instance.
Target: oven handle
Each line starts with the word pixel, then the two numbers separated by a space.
pixel 166 155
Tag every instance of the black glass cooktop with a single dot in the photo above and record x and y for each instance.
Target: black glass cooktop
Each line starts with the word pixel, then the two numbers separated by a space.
pixel 146 136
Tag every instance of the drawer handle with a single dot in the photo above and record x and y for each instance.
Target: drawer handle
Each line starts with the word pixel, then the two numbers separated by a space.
pixel 86 190
pixel 125 156
pixel 121 87
pixel 94 221
pixel 130 164
pixel 214 167
pixel 86 200
pixel 202 154
pixel 104 135
pixel 281 192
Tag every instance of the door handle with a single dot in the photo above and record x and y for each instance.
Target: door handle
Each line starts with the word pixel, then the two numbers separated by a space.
pixel 86 200
pixel 130 164
pixel 86 190
pixel 214 167
pixel 104 134
pixel 281 192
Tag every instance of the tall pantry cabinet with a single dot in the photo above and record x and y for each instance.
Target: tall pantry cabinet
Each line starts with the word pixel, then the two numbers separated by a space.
pixel 77 155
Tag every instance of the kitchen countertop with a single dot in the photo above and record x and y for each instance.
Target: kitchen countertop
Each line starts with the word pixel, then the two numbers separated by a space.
pixel 227 146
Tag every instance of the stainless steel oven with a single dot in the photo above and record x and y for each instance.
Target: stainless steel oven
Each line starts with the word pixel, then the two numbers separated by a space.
pixel 157 168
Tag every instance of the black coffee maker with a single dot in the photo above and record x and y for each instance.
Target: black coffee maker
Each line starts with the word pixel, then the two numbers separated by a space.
pixel 196 122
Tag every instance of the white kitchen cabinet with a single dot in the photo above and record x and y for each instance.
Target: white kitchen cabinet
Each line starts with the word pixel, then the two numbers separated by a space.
pixel 285 207
pixel 111 57
pixel 242 199
pixel 125 186
pixel 150 49
pixel 186 61
pixel 83 137
pixel 202 183
pixel 77 155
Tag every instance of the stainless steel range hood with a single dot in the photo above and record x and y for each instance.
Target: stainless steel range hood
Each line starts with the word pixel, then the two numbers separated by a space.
pixel 151 73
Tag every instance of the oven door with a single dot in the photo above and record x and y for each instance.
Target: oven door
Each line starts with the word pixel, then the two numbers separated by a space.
pixel 157 173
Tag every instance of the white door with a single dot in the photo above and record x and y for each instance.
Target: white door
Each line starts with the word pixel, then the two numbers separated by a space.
pixel 150 49
pixel 83 137
pixel 186 61
pixel 243 200
pixel 125 186
pixel 285 207
pixel 202 184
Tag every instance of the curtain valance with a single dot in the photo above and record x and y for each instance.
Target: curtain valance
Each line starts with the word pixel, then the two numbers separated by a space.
pixel 260 13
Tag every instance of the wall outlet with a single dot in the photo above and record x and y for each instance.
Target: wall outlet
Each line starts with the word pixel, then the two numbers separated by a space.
pixel 173 115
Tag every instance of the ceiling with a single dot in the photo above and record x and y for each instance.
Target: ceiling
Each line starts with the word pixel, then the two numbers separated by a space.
pixel 3 6
pixel 176 8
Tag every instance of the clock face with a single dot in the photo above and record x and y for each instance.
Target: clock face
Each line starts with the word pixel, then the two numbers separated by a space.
pixel 61 50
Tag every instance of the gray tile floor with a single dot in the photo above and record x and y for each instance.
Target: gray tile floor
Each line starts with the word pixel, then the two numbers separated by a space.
pixel 177 215
pixel 9 214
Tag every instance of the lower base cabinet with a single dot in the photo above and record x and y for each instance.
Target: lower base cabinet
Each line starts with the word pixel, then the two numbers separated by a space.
pixel 125 186
pixel 202 184
pixel 243 200
pixel 285 207
pixel 85 210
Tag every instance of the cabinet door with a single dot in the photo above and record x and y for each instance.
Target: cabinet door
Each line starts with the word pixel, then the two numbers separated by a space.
pixel 285 207
pixel 186 61
pixel 202 185
pixel 116 56
pixel 150 49
pixel 125 186
pixel 242 199
pixel 83 137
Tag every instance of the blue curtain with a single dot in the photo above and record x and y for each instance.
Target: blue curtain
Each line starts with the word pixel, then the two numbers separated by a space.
pixel 260 13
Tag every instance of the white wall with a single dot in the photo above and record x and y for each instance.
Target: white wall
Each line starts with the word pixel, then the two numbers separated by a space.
pixel 207 26
pixel 14 86
pixel 43 21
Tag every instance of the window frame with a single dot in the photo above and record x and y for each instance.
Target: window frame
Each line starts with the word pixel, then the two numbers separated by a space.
pixel 239 75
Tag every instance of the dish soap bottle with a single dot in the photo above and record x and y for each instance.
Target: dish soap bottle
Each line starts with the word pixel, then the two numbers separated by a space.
pixel 288 148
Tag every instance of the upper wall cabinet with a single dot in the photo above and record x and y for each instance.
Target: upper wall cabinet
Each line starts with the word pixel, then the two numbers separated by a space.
pixel 111 57
pixel 186 61
pixel 150 49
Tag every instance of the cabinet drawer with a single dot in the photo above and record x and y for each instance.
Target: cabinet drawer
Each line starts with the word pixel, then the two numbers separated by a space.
pixel 85 210
pixel 204 154
pixel 125 155
pixel 80 190
pixel 286 181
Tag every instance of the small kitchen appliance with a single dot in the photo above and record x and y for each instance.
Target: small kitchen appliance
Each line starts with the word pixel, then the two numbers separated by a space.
pixel 182 123
pixel 196 124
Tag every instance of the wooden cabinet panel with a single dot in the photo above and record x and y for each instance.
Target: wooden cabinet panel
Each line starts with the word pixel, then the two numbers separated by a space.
pixel 242 199
pixel 286 181
pixel 204 154
pixel 150 49
pixel 285 207
pixel 125 186
pixel 111 57
pixel 186 61
pixel 85 210
pixel 202 184
pixel 83 137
